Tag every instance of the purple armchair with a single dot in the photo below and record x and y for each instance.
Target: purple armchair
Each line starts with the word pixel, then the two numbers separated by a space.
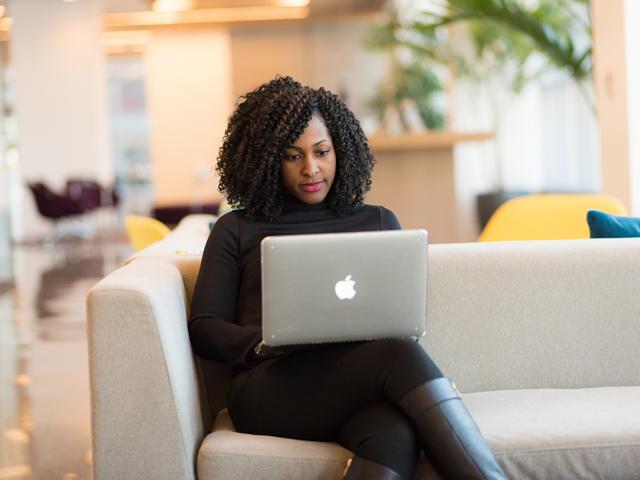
pixel 57 208
pixel 90 194
pixel 52 205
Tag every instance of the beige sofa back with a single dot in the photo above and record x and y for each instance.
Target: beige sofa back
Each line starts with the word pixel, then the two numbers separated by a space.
pixel 545 314
pixel 500 316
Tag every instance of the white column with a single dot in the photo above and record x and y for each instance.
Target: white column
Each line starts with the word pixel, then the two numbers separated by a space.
pixel 60 98
pixel 188 80
pixel 6 272
pixel 5 225
pixel 632 43
pixel 616 50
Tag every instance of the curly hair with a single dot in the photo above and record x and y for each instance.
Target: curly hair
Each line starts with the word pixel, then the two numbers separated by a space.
pixel 265 123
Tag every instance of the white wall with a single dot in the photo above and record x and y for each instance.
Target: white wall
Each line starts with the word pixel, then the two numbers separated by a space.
pixel 5 225
pixel 632 44
pixel 5 230
pixel 188 84
pixel 60 100
pixel 545 140
pixel 570 154
pixel 320 54
pixel 617 73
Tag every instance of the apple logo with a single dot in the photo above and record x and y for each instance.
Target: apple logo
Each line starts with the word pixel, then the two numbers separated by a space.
pixel 345 288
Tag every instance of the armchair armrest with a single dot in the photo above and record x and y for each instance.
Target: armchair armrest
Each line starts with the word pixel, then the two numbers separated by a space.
pixel 146 399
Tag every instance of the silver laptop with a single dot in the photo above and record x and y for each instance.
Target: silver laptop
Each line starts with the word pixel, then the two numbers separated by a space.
pixel 342 287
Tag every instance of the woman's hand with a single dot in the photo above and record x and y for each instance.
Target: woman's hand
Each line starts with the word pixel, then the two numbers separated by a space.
pixel 262 352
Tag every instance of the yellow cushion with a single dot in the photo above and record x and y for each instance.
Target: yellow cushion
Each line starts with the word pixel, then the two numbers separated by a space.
pixel 546 217
pixel 143 231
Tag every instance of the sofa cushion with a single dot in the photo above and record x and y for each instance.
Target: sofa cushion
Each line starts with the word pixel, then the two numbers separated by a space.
pixel 238 456
pixel 588 433
pixel 607 225
pixel 568 434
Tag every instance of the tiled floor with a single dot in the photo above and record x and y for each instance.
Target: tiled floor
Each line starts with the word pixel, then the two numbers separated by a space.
pixel 44 388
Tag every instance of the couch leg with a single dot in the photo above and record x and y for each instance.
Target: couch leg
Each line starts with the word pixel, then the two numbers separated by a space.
pixel 361 469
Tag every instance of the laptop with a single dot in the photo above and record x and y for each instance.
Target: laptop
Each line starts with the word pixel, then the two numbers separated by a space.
pixel 341 287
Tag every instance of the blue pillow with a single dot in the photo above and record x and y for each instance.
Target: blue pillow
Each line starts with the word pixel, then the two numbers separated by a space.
pixel 607 225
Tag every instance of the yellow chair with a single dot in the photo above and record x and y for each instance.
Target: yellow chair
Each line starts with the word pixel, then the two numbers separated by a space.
pixel 143 231
pixel 546 217
pixel 224 207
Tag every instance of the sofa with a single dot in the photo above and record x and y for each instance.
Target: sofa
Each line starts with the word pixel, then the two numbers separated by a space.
pixel 541 337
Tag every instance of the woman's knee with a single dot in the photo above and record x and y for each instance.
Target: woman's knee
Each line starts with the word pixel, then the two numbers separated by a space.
pixel 392 346
pixel 408 365
pixel 380 422
pixel 405 345
pixel 403 352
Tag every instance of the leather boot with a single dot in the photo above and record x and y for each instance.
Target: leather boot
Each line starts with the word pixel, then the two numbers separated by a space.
pixel 361 469
pixel 448 435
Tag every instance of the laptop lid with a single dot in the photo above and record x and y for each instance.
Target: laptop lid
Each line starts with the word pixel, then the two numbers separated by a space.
pixel 344 286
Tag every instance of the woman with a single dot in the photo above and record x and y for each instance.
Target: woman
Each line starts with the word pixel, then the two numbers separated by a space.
pixel 295 160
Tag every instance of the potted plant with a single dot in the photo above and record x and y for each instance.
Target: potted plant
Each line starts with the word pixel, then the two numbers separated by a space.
pixel 408 99
pixel 501 42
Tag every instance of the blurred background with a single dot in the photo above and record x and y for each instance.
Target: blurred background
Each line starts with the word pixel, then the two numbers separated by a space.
pixel 111 108
pixel 130 97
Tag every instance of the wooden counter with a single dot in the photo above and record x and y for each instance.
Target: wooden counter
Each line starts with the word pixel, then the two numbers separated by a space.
pixel 414 177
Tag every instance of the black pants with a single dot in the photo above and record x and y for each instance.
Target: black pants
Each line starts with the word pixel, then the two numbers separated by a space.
pixel 346 393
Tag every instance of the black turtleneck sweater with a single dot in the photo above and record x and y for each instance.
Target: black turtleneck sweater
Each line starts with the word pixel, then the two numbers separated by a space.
pixel 225 322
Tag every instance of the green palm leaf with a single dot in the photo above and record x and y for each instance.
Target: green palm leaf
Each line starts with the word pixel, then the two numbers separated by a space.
pixel 543 26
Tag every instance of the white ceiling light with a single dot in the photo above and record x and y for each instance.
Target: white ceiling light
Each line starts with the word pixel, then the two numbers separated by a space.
pixel 171 6
pixel 203 16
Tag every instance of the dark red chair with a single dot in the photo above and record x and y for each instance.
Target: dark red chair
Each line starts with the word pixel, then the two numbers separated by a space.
pixel 57 208
pixel 52 205
pixel 91 194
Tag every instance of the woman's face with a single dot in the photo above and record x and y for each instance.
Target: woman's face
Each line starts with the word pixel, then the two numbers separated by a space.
pixel 309 165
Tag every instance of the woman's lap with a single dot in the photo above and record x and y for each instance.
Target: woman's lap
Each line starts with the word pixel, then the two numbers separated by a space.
pixel 311 394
